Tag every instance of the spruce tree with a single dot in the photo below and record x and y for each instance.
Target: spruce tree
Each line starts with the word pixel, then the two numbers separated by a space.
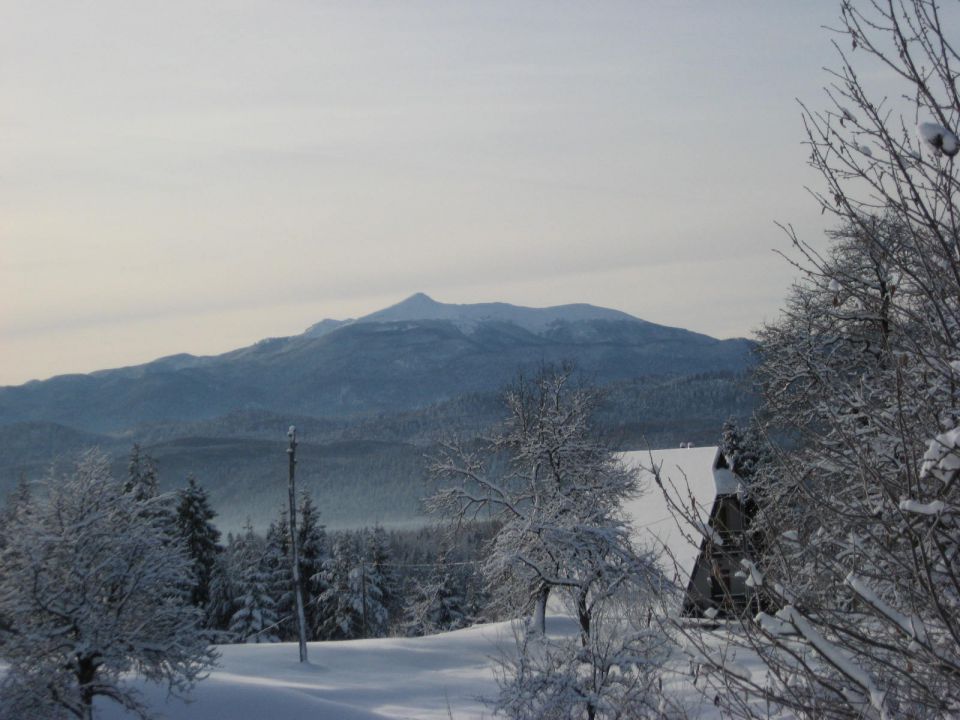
pixel 438 603
pixel 278 576
pixel 200 538
pixel 223 591
pixel 314 551
pixel 143 483
pixel 142 476
pixel 255 618
pixel 383 576
pixel 340 615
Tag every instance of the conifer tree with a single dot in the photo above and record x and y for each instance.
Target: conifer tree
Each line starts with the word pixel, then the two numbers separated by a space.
pixel 143 483
pixel 340 616
pixel 314 551
pixel 17 501
pixel 255 618
pixel 200 537
pixel 142 475
pixel 384 576
pixel 279 579
pixel 223 591
pixel 438 602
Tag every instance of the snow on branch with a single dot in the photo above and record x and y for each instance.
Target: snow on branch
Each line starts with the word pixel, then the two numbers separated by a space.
pixel 837 657
pixel 939 138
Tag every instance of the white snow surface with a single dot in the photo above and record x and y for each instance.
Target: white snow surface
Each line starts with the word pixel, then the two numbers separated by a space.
pixel 685 472
pixel 429 678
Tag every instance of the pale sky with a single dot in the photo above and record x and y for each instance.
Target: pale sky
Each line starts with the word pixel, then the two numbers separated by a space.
pixel 195 176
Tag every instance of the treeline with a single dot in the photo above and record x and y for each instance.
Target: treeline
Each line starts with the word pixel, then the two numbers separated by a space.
pixel 358 584
pixel 666 406
pixel 363 583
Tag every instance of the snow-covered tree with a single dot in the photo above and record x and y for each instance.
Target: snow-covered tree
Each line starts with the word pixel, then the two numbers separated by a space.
pixel 744 449
pixel 340 606
pixel 438 602
pixel 556 489
pixel 142 476
pixel 278 576
pixel 223 593
pixel 558 493
pixel 314 552
pixel 143 482
pixel 17 500
pixel 92 590
pixel 862 508
pixel 254 620
pixel 366 596
pixel 200 536
pixel 383 576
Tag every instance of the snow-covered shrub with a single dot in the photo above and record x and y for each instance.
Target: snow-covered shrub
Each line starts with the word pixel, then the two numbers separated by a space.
pixel 610 675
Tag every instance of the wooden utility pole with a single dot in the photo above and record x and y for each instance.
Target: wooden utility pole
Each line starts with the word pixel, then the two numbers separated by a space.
pixel 294 553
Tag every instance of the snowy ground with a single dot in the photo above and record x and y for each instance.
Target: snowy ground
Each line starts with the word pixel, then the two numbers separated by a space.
pixel 441 676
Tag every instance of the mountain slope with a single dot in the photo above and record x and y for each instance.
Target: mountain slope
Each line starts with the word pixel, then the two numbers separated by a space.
pixel 410 355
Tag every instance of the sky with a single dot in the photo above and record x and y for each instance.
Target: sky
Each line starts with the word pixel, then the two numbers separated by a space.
pixel 193 177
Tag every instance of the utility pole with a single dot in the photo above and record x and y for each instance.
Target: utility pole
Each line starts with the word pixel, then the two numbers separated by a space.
pixel 363 594
pixel 294 553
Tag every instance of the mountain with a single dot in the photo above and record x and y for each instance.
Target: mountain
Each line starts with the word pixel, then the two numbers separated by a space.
pixel 470 317
pixel 410 355
pixel 369 396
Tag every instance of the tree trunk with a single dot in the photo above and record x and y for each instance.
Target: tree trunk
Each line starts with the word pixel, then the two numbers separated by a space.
pixel 583 617
pixel 86 672
pixel 538 623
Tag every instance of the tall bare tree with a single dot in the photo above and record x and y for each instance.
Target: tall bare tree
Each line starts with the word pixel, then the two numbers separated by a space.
pixel 861 569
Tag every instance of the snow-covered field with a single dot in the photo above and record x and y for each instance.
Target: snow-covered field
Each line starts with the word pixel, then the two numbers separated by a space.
pixel 440 676
pixel 430 677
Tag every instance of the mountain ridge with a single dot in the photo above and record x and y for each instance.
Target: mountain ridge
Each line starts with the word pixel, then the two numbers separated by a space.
pixel 416 307
pixel 409 355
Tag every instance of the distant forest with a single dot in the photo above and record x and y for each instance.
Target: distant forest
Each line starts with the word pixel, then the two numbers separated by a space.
pixel 368 469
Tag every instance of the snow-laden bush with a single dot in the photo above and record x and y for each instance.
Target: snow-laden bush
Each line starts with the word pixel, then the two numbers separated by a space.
pixel 611 674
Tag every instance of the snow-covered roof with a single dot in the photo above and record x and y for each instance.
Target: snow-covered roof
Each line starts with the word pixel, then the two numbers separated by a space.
pixel 686 473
